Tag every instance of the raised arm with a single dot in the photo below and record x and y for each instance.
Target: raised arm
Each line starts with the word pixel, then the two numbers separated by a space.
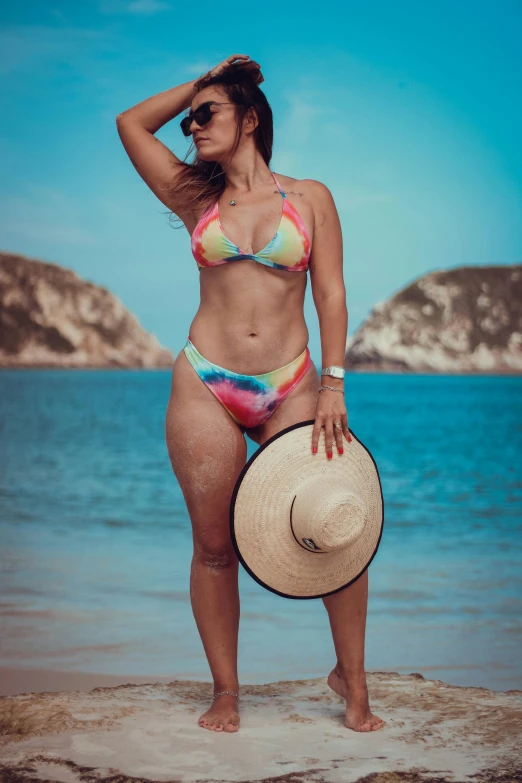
pixel 153 161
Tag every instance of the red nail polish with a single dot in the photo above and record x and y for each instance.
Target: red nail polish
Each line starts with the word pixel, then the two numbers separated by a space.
pixel 329 455
pixel 314 449
pixel 341 451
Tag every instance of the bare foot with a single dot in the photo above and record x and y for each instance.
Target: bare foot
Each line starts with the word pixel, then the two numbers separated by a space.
pixel 358 714
pixel 222 715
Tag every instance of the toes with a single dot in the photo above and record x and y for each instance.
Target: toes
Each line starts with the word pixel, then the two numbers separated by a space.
pixel 205 723
pixel 368 725
pixel 364 726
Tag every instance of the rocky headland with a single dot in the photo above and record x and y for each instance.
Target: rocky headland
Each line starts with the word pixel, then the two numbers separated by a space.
pixel 462 320
pixel 51 317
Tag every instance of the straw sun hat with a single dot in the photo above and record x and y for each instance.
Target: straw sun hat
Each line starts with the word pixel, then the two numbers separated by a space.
pixel 304 526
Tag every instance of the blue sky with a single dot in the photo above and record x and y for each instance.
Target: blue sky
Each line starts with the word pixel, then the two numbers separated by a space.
pixel 409 112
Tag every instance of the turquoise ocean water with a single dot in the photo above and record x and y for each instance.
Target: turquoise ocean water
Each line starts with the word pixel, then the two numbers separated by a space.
pixel 96 543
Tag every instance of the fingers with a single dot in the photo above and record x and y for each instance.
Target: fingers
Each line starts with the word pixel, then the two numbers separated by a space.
pixel 342 430
pixel 338 435
pixel 316 431
pixel 231 60
pixel 319 423
pixel 332 434
pixel 223 65
pixel 346 429
pixel 328 437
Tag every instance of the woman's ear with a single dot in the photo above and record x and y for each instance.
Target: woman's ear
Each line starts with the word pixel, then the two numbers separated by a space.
pixel 252 120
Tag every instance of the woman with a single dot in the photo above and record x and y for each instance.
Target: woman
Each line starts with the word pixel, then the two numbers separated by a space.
pixel 246 367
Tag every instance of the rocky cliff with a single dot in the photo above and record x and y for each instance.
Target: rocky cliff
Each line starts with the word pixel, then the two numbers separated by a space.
pixel 463 320
pixel 50 317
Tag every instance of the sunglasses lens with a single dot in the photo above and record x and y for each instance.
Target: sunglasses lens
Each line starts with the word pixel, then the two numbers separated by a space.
pixel 202 115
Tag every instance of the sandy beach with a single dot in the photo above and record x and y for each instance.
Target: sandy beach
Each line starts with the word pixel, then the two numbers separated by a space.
pixel 291 732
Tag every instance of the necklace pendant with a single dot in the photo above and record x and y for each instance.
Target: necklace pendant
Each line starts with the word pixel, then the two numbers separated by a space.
pixel 233 203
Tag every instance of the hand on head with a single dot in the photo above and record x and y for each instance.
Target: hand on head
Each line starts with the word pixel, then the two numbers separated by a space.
pixel 242 63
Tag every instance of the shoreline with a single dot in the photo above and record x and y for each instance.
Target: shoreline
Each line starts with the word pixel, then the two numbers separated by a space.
pixel 17 680
pixel 32 680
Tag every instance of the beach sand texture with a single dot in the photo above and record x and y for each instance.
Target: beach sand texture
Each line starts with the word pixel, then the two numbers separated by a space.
pixel 291 732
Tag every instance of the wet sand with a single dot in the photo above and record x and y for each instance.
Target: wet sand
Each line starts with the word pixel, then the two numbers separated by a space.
pixel 291 732
pixel 21 680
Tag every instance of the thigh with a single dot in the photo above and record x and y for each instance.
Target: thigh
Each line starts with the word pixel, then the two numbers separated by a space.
pixel 300 405
pixel 207 450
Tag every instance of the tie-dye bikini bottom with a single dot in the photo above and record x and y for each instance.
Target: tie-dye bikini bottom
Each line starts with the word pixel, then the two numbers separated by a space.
pixel 249 399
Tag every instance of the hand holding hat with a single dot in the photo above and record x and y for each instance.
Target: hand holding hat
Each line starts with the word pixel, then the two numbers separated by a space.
pixel 305 528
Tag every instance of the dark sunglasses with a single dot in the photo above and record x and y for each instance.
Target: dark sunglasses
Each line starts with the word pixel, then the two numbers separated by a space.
pixel 202 115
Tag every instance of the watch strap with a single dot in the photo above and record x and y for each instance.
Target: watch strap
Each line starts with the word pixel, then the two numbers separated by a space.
pixel 334 371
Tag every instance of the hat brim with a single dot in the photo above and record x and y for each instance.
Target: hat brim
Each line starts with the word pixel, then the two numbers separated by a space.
pixel 260 510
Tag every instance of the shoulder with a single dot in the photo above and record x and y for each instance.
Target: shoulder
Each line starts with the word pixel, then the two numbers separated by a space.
pixel 319 195
pixel 316 193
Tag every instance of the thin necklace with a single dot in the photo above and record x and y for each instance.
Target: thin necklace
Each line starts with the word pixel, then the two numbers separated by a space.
pixel 233 201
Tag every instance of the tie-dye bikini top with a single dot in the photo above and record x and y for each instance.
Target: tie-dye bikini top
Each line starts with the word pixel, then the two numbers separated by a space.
pixel 289 249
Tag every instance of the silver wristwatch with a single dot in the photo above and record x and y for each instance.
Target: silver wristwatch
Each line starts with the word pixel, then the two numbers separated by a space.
pixel 335 372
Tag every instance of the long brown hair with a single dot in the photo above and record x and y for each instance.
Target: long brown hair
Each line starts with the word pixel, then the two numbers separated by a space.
pixel 203 181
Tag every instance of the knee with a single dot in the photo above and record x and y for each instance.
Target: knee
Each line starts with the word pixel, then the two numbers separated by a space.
pixel 215 555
